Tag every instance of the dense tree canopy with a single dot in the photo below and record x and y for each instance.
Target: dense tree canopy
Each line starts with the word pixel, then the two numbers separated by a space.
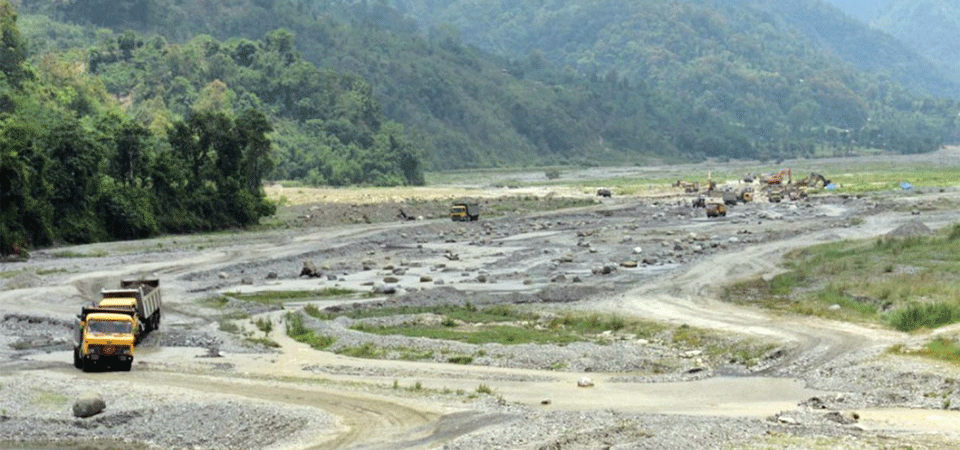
pixel 75 167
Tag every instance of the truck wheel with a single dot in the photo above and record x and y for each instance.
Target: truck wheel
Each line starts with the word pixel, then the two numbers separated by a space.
pixel 77 361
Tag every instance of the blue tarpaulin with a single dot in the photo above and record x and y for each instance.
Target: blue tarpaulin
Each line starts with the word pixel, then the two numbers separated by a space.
pixel 906 186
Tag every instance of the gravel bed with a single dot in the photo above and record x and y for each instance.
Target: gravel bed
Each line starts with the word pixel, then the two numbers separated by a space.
pixel 39 409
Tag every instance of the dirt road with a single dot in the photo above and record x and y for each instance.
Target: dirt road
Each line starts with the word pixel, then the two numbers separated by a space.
pixel 506 403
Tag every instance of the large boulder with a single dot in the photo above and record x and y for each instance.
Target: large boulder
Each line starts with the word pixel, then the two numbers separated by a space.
pixel 88 404
pixel 310 269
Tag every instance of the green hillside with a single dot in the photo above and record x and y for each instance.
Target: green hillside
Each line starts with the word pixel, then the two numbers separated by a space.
pixel 752 63
pixel 930 27
pixel 572 82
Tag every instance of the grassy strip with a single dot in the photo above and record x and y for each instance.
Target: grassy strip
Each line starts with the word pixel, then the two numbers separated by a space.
pixel 907 283
pixel 280 297
pixel 941 348
pixel 506 335
pixel 466 313
pixel 504 324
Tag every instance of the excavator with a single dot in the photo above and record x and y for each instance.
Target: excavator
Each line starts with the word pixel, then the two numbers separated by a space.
pixel 813 180
pixel 776 179
pixel 688 186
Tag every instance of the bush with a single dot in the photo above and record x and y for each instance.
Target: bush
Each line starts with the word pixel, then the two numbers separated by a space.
pixel 927 315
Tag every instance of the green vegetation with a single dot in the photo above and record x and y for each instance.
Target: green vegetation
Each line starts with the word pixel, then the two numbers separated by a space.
pixel 270 343
pixel 281 297
pixel 75 167
pixel 926 315
pixel 265 325
pixel 228 326
pixel 300 333
pixel 509 325
pixel 465 313
pixel 908 283
pixel 572 84
pixel 365 350
pixel 795 77
pixel 941 348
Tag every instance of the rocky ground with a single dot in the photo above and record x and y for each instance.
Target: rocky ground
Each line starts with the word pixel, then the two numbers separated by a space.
pixel 786 382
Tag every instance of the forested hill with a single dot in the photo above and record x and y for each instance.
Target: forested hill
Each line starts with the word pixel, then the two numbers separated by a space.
pixel 931 27
pixel 599 35
pixel 572 82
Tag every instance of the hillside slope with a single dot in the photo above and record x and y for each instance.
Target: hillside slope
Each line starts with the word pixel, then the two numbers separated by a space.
pixel 566 82
pixel 930 28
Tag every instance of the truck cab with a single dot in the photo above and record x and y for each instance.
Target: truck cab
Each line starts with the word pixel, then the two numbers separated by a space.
pixel 105 336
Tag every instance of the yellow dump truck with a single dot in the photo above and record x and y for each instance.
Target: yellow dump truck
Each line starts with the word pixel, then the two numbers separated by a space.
pixel 105 337
pixel 464 212
pixel 108 331
pixel 142 297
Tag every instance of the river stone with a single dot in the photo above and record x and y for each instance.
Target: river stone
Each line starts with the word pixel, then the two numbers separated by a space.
pixel 88 404
pixel 309 269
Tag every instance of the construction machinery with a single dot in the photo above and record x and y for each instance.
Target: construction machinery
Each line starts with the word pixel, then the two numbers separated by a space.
pixel 776 179
pixel 813 180
pixel 688 186
pixel 716 209
pixel 464 212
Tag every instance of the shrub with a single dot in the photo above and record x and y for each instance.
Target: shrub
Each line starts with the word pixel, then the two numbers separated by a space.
pixel 926 315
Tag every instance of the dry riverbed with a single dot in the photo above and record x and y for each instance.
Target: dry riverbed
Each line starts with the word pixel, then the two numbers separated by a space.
pixel 709 375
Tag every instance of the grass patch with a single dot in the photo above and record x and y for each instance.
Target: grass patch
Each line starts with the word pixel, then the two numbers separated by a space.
pixel 465 313
pixel 409 354
pixel 229 327
pixel 460 359
pixel 264 342
pixel 300 333
pixel 75 254
pixel 943 349
pixel 50 398
pixel 365 350
pixel 507 325
pixel 281 297
pixel 907 283
pixel 265 325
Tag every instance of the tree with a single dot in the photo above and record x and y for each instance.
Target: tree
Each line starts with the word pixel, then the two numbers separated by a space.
pixel 13 48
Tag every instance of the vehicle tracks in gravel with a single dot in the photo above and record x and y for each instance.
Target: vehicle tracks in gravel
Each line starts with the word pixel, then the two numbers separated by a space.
pixel 365 420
